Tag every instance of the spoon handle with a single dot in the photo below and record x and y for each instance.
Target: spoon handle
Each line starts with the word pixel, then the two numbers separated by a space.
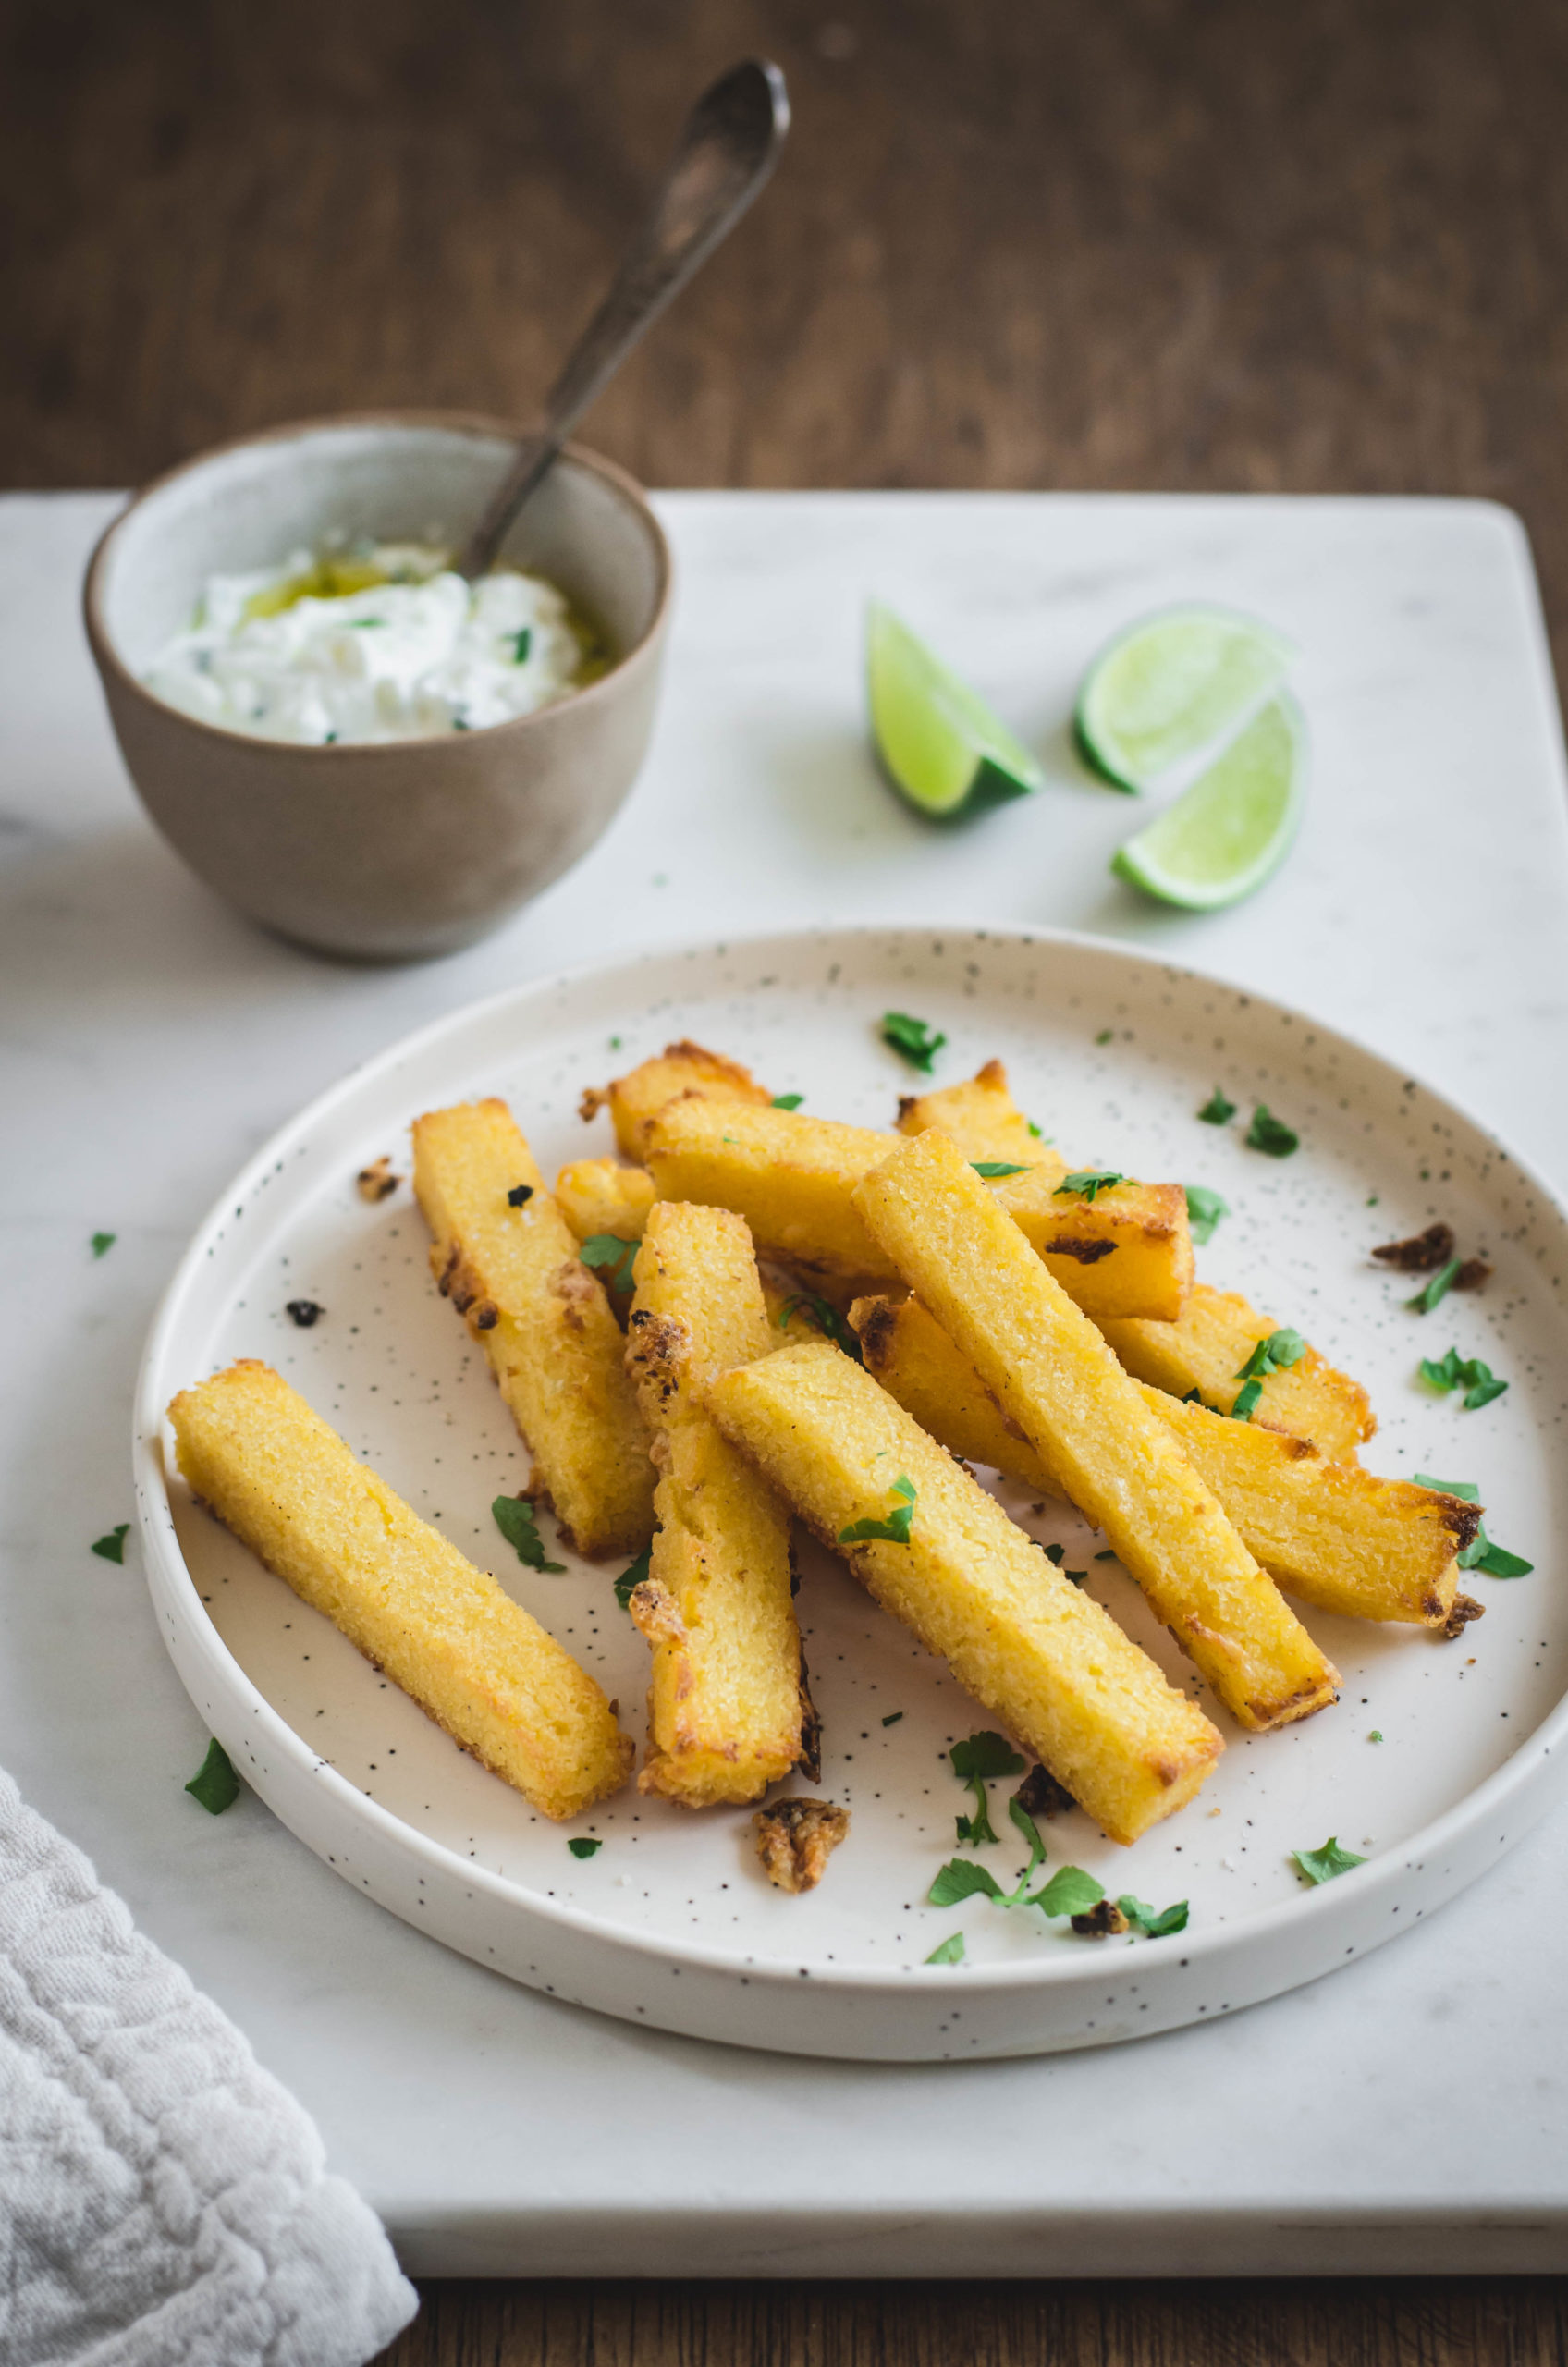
pixel 729 146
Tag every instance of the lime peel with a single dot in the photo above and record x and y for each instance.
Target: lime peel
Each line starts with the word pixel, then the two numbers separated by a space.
pixel 939 744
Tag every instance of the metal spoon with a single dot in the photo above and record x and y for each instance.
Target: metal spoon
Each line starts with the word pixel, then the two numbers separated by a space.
pixel 727 148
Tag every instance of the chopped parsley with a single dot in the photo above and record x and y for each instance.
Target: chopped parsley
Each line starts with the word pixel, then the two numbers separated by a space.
pixel 1069 1892
pixel 102 1242
pixel 611 1258
pixel 1281 1348
pixel 948 1951
pixel 1443 1281
pixel 632 1576
pixel 1153 1926
pixel 1217 1110
pixel 1375 1735
pixel 1322 1865
pixel 1270 1134
pixel 913 1039
pixel 517 1523
pixel 1246 1400
pixel 1086 1183
pixel 1480 1554
pixel 519 1196
pixel 892 1717
pixel 215 1786
pixel 1105 1035
pixel 1479 1381
pixel 961 1878
pixel 989 1168
pixel 788 1100
pixel 521 643
pixel 1205 1210
pixel 1109 1554
pixel 972 1761
pixel 581 1846
pixel 825 1317
pixel 1057 1553
pixel 895 1529
pixel 112 1548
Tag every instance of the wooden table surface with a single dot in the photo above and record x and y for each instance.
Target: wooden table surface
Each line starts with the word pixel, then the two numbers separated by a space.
pixel 1097 243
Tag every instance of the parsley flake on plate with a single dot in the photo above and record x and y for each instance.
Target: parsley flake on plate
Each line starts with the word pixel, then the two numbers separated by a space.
pixel 895 1529
pixel 1153 1926
pixel 215 1786
pixel 825 1317
pixel 112 1548
pixel 892 1717
pixel 1087 1183
pixel 1105 1035
pixel 1438 1289
pixel 948 1951
pixel 1270 1134
pixel 1481 1554
pixel 1217 1110
pixel 1479 1381
pixel 989 1168
pixel 102 1242
pixel 1205 1210
pixel 1322 1865
pixel 582 1847
pixel 788 1100
pixel 974 1759
pixel 611 1258
pixel 1069 1892
pixel 632 1576
pixel 519 1524
pixel 961 1878
pixel 521 643
pixel 914 1040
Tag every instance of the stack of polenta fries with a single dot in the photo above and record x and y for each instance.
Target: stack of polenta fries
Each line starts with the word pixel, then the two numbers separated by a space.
pixel 946 1293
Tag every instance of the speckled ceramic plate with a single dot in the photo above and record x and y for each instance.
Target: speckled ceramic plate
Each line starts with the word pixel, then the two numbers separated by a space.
pixel 672 1922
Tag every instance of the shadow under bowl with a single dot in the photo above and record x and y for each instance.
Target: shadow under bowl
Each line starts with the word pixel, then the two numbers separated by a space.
pixel 394 851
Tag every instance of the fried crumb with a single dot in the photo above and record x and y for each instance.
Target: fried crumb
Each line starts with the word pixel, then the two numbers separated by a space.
pixel 1466 1609
pixel 1041 1795
pixel 378 1181
pixel 1472 1275
pixel 795 1839
pixel 1101 1922
pixel 1422 1254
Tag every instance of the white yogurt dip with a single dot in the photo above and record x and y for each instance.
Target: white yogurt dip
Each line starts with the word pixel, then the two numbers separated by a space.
pixel 414 652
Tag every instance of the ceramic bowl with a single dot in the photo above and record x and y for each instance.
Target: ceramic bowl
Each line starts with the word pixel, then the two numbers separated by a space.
pixel 396 850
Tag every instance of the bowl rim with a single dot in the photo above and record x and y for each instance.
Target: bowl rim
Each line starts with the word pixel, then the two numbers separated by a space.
pixel 111 665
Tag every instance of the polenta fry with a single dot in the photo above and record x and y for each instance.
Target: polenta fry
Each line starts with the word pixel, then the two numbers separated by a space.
pixel 728 1710
pixel 598 1195
pixel 447 1633
pixel 634 1100
pixel 1121 1250
pixel 1045 1659
pixel 505 1256
pixel 1205 1349
pixel 1329 1533
pixel 1052 1372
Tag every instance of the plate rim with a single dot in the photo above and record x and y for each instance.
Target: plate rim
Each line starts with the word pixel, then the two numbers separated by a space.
pixel 162 1555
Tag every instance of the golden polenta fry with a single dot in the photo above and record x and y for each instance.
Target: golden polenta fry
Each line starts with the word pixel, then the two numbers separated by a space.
pixel 728 1710
pixel 1053 1374
pixel 1045 1659
pixel 1125 1249
pixel 1206 1348
pixel 1330 1533
pixel 597 1196
pixel 505 1256
pixel 271 1469
pixel 634 1100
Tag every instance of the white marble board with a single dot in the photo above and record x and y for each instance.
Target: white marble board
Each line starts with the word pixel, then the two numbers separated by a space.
pixel 1409 2107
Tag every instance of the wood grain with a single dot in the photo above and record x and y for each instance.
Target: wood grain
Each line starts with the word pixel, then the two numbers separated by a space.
pixel 1423 2322
pixel 1111 243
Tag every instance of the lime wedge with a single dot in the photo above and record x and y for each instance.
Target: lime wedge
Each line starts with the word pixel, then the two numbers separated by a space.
pixel 940 745
pixel 1223 837
pixel 1174 687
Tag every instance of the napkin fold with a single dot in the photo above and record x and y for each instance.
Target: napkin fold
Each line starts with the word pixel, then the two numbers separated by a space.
pixel 162 2201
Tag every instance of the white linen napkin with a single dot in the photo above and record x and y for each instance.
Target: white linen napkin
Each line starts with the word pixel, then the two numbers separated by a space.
pixel 162 2201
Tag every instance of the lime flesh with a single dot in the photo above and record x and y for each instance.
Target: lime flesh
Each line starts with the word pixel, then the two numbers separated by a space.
pixel 1224 834
pixel 939 742
pixel 1174 687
